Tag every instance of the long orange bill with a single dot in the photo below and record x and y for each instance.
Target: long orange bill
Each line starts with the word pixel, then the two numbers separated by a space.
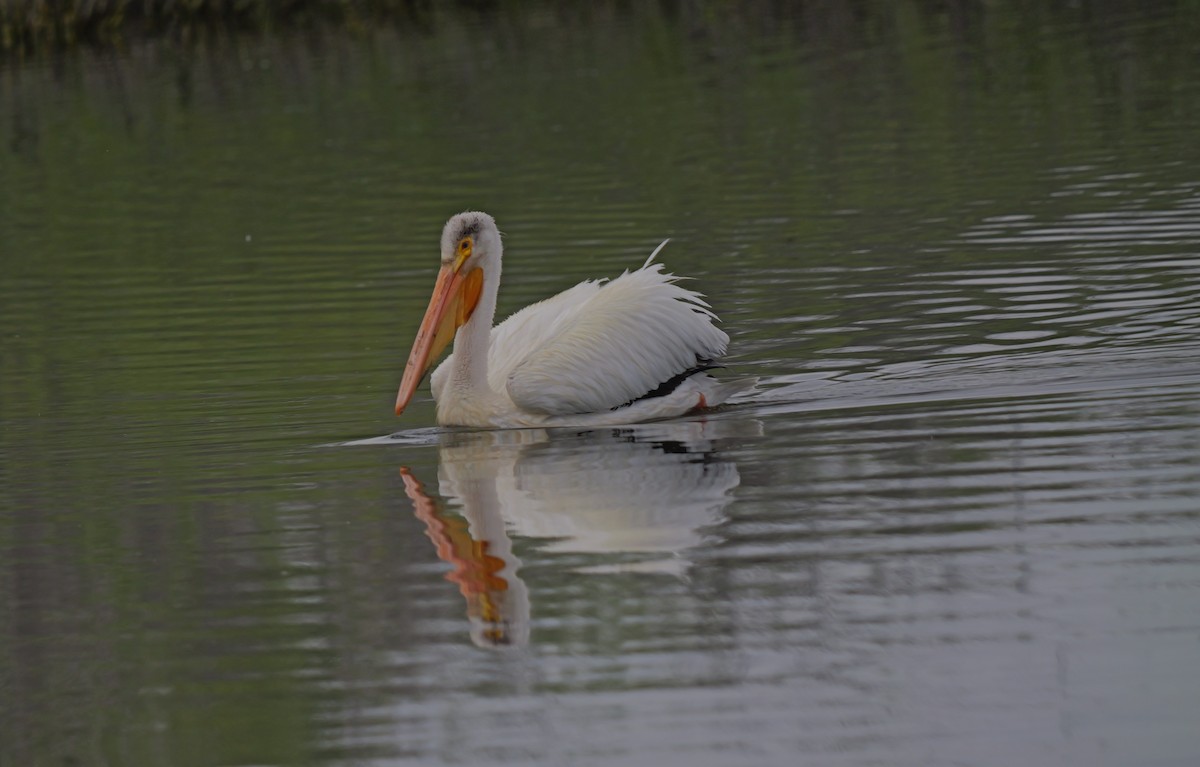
pixel 454 298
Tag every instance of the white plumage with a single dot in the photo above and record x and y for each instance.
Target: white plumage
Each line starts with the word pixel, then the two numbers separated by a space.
pixel 611 492
pixel 587 356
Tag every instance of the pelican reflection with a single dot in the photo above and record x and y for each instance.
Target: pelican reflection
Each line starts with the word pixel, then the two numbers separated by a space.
pixel 636 496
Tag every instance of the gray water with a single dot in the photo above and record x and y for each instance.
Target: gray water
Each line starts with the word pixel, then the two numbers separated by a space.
pixel 957 524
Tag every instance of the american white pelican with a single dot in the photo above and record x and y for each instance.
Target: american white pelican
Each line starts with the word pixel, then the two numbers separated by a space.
pixel 632 349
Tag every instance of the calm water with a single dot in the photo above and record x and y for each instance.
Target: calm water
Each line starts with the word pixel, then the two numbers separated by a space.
pixel 959 523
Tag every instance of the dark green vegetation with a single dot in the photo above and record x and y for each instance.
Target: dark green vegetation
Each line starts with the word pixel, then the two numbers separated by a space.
pixel 30 26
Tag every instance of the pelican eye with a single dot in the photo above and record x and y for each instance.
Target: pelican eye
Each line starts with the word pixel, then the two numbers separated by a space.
pixel 464 251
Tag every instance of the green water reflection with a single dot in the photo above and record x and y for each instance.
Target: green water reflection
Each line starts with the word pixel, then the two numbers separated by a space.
pixel 959 246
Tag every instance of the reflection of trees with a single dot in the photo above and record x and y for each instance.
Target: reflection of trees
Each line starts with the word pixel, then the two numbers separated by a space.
pixel 630 498
pixel 125 597
pixel 28 26
pixel 947 70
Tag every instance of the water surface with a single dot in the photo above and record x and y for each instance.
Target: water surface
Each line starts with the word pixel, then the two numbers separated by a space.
pixel 957 524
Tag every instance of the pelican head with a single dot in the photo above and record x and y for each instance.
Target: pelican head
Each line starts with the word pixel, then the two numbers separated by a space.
pixel 471 239
pixel 471 252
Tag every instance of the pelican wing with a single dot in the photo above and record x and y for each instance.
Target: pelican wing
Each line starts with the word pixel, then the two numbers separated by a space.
pixel 533 328
pixel 598 346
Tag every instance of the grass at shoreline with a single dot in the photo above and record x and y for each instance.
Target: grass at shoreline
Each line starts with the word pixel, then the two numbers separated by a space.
pixel 34 26
pixel 30 28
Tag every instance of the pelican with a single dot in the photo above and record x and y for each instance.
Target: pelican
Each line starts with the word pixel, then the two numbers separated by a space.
pixel 632 349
